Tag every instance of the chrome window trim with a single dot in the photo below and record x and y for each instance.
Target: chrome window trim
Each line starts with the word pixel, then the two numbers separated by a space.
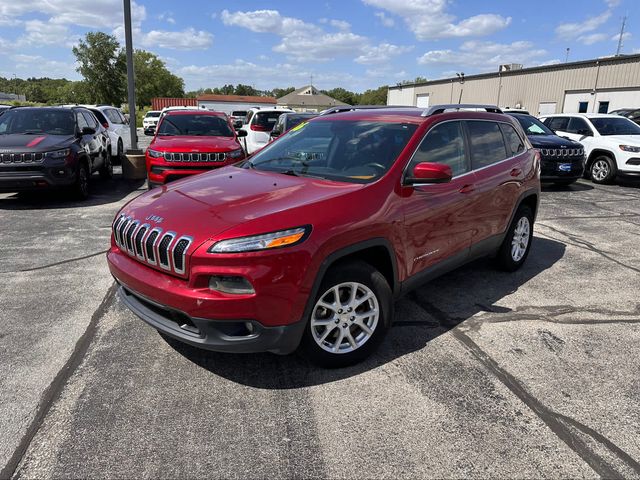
pixel 173 237
pixel 406 167
pixel 184 254
pixel 153 246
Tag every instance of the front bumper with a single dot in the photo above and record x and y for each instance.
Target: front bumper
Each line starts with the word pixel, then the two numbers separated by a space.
pixel 16 178
pixel 551 171
pixel 233 336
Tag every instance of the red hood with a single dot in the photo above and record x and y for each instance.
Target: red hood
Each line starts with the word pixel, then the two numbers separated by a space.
pixel 194 144
pixel 206 205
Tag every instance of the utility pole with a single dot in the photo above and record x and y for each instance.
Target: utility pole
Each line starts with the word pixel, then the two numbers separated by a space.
pixel 566 58
pixel 130 80
pixel 624 21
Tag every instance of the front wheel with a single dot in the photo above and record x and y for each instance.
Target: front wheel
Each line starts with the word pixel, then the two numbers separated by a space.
pixel 603 170
pixel 80 188
pixel 517 243
pixel 350 316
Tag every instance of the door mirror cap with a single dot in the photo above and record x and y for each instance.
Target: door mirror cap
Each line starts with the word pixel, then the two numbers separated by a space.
pixel 428 172
pixel 241 133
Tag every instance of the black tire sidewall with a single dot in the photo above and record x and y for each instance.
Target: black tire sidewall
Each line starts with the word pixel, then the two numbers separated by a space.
pixel 360 272
pixel 504 259
pixel 613 170
pixel 79 192
pixel 106 172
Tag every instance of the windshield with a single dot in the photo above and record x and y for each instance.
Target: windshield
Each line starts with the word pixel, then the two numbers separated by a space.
pixel 533 126
pixel 615 126
pixel 348 151
pixel 239 113
pixel 152 114
pixel 37 121
pixel 195 125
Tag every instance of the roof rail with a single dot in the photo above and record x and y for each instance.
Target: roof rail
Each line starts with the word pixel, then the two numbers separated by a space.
pixel 435 109
pixel 351 108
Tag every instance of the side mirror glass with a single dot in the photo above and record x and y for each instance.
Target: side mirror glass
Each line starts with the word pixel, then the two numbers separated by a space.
pixel 241 133
pixel 428 172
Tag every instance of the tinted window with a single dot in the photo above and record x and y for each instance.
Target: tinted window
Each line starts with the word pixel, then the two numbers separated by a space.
pixel 578 126
pixel 557 123
pixel 487 144
pixel 583 107
pixel 91 121
pixel 152 114
pixel 514 141
pixel 82 122
pixel 37 121
pixel 99 116
pixel 249 117
pixel 613 126
pixel 444 143
pixel 348 151
pixel 113 116
pixel 239 113
pixel 195 125
pixel 293 120
pixel 266 119
pixel 603 107
pixel 532 126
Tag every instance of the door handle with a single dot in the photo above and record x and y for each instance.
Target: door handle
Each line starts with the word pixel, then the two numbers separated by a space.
pixel 467 188
pixel 516 172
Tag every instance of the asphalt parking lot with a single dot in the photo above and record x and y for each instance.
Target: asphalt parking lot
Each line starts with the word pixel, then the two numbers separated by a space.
pixel 532 374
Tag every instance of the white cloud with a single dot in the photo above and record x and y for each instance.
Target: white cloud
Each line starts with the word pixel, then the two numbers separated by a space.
pixel 188 39
pixel 340 24
pixel 484 56
pixel 38 32
pixel 267 21
pixel 625 36
pixel 568 31
pixel 384 20
pixel 592 38
pixel 428 19
pixel 166 17
pixel 381 53
pixel 37 66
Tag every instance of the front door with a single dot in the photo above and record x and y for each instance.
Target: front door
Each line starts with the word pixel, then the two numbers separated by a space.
pixel 437 217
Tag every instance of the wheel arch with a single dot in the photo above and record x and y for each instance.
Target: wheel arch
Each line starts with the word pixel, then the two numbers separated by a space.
pixel 595 153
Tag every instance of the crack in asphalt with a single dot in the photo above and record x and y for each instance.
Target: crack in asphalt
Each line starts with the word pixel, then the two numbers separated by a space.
pixel 562 426
pixel 52 393
pixel 70 260
pixel 585 245
pixel 621 216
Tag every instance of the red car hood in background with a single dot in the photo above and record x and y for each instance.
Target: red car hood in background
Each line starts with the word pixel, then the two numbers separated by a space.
pixel 194 144
pixel 206 205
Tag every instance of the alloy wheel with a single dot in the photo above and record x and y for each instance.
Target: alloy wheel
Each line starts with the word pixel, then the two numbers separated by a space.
pixel 520 240
pixel 345 317
pixel 600 170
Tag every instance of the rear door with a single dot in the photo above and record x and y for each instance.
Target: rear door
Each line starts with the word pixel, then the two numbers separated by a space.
pixel 119 125
pixel 437 216
pixel 499 165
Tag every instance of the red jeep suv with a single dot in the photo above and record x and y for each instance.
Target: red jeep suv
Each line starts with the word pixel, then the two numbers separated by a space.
pixel 188 142
pixel 309 242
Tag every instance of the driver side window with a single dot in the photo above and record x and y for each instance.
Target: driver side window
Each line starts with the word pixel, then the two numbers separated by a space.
pixel 444 144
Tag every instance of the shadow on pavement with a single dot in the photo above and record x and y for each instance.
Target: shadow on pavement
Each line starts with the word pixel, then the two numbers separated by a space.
pixel 575 187
pixel 467 291
pixel 102 192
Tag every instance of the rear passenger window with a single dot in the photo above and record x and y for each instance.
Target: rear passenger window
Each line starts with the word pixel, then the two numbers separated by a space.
pixel 514 141
pixel 444 143
pixel 557 123
pixel 578 126
pixel 90 120
pixel 487 144
pixel 82 122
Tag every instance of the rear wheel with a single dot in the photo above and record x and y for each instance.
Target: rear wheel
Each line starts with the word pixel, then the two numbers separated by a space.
pixel 106 171
pixel 603 170
pixel 117 158
pixel 350 316
pixel 517 243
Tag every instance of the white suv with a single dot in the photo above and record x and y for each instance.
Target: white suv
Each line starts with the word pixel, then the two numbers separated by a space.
pixel 150 121
pixel 112 119
pixel 258 125
pixel 611 142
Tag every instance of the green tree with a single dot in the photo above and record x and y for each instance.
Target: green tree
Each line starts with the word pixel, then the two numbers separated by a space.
pixel 343 95
pixel 377 96
pixel 281 92
pixel 153 79
pixel 102 64
pixel 245 90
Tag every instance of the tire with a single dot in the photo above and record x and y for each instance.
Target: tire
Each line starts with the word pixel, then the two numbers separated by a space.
pixel 80 188
pixel 325 342
pixel 517 243
pixel 603 170
pixel 117 158
pixel 106 171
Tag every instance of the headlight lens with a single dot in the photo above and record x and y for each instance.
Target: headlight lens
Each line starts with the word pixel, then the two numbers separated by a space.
pixel 235 153
pixel 154 153
pixel 629 148
pixel 59 153
pixel 283 238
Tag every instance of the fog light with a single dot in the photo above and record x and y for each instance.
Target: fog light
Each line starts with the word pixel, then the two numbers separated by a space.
pixel 249 327
pixel 231 284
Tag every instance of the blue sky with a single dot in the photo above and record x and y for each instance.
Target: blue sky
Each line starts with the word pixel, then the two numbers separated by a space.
pixel 355 44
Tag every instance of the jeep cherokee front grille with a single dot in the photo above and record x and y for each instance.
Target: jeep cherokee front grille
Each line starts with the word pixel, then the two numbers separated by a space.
pixel 155 247
pixel 562 152
pixel 195 157
pixel 21 157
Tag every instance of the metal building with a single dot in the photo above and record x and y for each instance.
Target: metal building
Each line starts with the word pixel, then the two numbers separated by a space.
pixel 599 85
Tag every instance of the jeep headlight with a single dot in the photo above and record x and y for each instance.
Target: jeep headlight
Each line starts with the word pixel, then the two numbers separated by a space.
pixel 155 153
pixel 267 241
pixel 57 154
pixel 629 148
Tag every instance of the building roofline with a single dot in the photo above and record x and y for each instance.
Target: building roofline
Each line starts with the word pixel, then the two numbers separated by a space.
pixel 538 68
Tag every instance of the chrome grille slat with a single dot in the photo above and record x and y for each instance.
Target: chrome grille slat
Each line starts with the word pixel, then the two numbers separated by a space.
pixel 138 241
pixel 150 245
pixel 21 157
pixel 129 236
pixel 179 253
pixel 164 250
pixel 195 157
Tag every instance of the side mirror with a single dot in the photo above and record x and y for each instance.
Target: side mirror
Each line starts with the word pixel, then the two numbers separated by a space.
pixel 241 133
pixel 88 131
pixel 585 132
pixel 237 124
pixel 428 172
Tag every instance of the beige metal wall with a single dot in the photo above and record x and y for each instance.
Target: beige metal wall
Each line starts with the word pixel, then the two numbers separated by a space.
pixel 530 88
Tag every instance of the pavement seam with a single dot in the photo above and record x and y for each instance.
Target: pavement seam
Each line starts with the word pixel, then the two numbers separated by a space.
pixel 70 260
pixel 556 422
pixel 52 393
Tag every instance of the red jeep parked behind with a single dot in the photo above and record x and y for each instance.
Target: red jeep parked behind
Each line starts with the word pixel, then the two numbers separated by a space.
pixel 309 242
pixel 188 142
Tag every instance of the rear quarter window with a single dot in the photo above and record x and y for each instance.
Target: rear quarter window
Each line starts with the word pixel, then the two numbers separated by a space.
pixel 487 143
pixel 513 140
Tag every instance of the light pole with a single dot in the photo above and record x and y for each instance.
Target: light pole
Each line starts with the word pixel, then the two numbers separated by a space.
pixel 130 80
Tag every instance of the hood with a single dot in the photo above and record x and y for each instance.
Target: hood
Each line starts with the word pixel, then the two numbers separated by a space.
pixel 34 143
pixel 552 141
pixel 198 144
pixel 206 205
pixel 624 139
